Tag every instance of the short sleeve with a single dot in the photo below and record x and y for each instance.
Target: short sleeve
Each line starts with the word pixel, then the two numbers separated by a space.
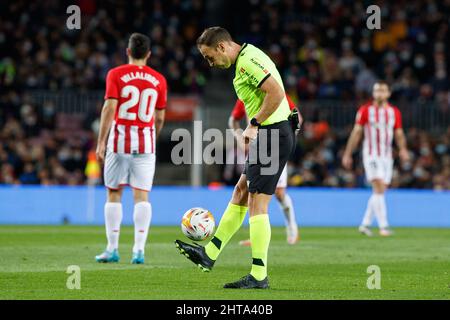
pixel 253 71
pixel 162 94
pixel 361 116
pixel 112 90
pixel 398 119
pixel 239 110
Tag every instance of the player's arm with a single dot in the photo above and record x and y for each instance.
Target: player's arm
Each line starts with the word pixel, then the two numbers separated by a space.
pixel 399 136
pixel 106 119
pixel 299 114
pixel 400 140
pixel 236 116
pixel 160 110
pixel 160 115
pixel 352 143
pixel 235 126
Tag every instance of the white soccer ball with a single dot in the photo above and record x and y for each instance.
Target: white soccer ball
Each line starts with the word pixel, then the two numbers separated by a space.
pixel 198 224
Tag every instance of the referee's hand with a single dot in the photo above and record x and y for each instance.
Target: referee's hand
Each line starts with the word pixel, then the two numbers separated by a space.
pixel 250 133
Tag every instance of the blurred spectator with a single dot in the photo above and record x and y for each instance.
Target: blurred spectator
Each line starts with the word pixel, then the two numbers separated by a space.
pixel 410 50
pixel 320 163
pixel 38 52
pixel 322 48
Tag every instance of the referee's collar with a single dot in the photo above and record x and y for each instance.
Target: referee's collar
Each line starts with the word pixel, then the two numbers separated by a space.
pixel 240 52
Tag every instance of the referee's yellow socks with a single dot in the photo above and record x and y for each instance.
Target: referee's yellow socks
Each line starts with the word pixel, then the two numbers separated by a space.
pixel 260 233
pixel 230 223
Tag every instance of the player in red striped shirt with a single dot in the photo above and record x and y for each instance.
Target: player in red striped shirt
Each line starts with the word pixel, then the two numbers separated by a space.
pixel 381 123
pixel 132 118
pixel 283 198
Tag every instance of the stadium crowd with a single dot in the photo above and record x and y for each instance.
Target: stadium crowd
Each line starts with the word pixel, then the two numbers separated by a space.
pixel 317 160
pixel 326 50
pixel 323 49
pixel 38 51
pixel 34 149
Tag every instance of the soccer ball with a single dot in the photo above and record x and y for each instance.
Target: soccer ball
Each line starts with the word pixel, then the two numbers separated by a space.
pixel 197 224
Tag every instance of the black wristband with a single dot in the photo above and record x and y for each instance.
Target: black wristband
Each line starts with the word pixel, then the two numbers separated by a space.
pixel 254 122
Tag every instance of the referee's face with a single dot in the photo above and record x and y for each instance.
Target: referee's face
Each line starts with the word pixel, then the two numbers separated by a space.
pixel 216 57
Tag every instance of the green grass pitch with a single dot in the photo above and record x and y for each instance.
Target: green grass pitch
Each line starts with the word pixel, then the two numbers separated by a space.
pixel 328 263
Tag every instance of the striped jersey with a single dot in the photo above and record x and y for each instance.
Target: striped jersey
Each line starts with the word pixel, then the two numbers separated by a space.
pixel 139 91
pixel 379 125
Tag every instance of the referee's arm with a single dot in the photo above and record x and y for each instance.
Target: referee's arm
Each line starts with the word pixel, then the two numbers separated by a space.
pixel 274 96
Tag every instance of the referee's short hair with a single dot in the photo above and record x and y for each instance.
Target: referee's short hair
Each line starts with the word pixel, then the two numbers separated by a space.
pixel 212 36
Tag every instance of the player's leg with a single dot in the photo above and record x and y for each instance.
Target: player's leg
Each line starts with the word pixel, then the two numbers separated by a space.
pixel 246 242
pixel 371 170
pixel 142 216
pixel 364 228
pixel 287 206
pixel 382 185
pixel 115 173
pixel 232 219
pixel 141 179
pixel 113 219
pixel 379 205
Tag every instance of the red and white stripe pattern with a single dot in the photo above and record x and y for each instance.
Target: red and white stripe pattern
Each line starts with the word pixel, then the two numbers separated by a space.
pixel 131 139
pixel 379 131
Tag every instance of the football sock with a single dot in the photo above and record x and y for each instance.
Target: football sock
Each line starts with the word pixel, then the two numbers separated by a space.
pixel 380 210
pixel 113 219
pixel 230 223
pixel 289 213
pixel 260 237
pixel 142 216
pixel 368 215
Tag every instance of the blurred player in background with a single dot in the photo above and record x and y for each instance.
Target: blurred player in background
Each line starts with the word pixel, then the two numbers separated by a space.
pixel 381 123
pixel 131 120
pixel 282 196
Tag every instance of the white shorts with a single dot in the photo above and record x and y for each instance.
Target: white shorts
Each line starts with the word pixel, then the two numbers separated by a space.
pixel 135 170
pixel 378 168
pixel 282 182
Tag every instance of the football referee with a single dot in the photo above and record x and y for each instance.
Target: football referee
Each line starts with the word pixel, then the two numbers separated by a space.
pixel 258 84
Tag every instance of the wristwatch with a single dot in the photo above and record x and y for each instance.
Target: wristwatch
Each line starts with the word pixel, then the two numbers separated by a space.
pixel 254 122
